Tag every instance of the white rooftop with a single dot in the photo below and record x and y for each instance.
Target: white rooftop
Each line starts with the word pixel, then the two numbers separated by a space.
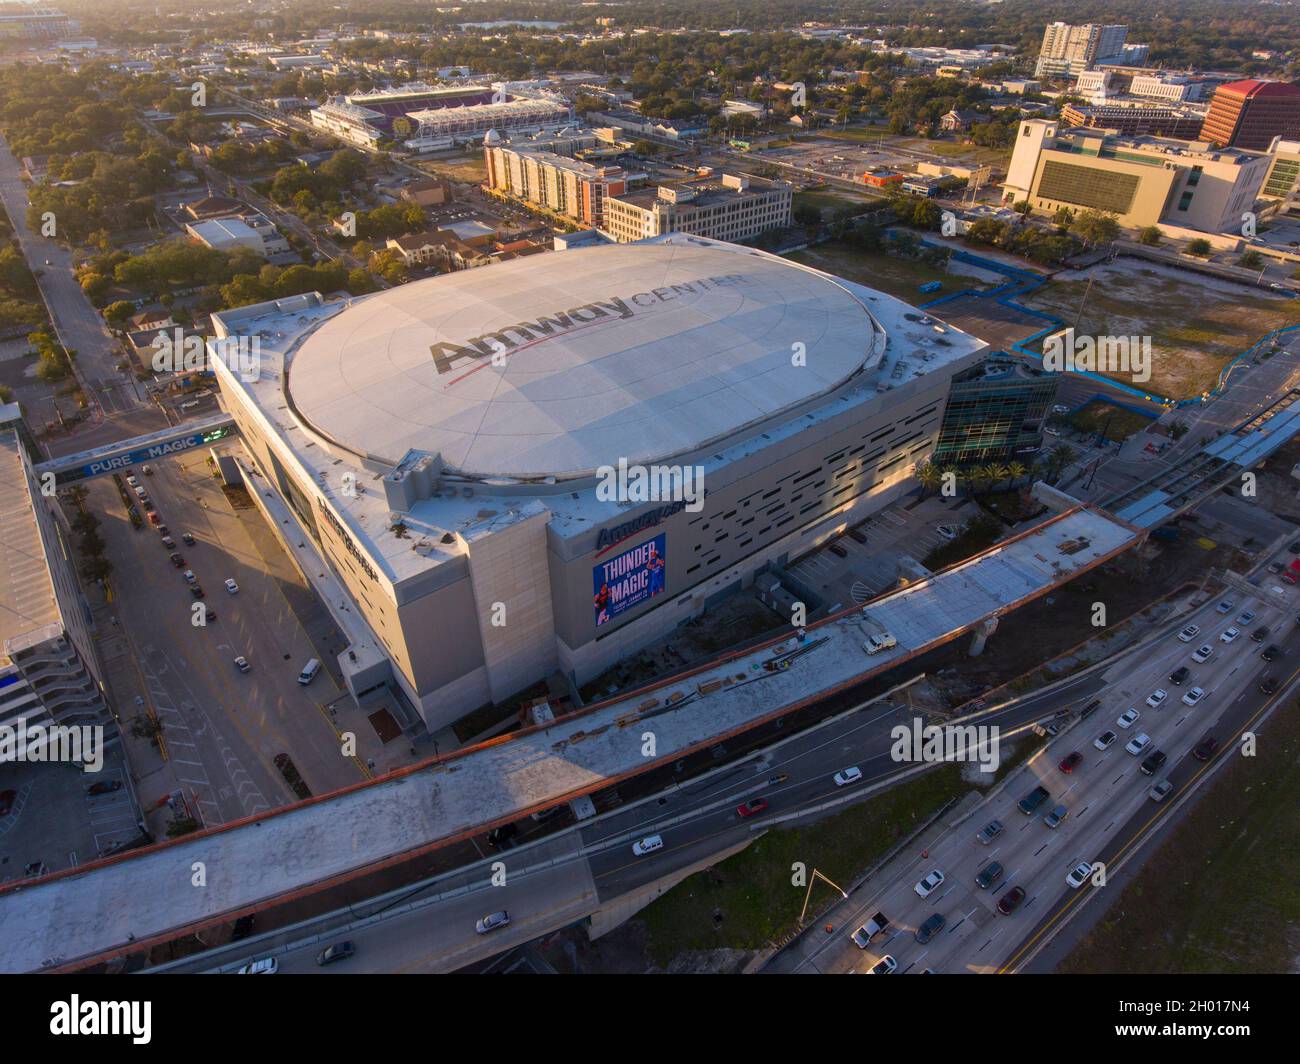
pixel 634 351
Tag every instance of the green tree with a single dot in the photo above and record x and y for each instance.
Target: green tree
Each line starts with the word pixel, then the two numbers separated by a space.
pixel 1095 227
pixel 117 314
pixel 1199 247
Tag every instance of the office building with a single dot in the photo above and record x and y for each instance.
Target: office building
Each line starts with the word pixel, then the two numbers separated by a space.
pixel 995 413
pixel 1141 180
pixel 1249 114
pixel 1136 118
pixel 738 207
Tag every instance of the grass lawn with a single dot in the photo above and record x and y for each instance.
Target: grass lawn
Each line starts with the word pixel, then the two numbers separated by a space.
pixel 898 276
pixel 1113 422
pixel 1197 325
pixel 1221 894
pixel 753 890
pixel 827 201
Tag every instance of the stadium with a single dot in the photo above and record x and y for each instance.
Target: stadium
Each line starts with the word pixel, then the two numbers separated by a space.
pixel 531 470
pixel 425 117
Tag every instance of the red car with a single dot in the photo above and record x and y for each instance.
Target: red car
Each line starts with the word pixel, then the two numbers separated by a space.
pixel 154 519
pixel 1070 760
pixel 752 807
pixel 1010 901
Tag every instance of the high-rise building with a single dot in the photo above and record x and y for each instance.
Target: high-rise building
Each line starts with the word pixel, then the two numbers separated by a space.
pixel 1249 114
pixel 995 412
pixel 1070 50
pixel 49 672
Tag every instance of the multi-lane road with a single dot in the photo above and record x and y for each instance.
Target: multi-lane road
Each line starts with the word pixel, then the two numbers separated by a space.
pixel 1106 796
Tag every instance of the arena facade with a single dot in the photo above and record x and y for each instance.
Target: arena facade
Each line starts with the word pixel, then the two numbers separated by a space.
pixel 545 464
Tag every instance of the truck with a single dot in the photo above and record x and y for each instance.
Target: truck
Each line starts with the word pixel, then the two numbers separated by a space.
pixel 878 642
pixel 873 927
pixel 1033 800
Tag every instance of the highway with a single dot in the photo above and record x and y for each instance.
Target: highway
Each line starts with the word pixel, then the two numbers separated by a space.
pixel 565 877
pixel 1106 796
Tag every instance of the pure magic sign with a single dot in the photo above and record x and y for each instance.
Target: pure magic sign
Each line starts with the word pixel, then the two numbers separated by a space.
pixel 628 579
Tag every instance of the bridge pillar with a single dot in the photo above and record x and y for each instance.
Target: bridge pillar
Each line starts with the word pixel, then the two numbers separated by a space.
pixel 982 632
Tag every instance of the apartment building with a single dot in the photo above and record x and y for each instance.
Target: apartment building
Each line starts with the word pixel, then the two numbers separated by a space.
pixel 738 207
pixel 1141 180
pixel 49 673
pixel 569 187
pixel 1249 114
pixel 1069 50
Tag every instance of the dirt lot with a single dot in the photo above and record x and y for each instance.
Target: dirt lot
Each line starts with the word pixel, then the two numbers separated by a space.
pixel 468 168
pixel 1197 325
pixel 1220 893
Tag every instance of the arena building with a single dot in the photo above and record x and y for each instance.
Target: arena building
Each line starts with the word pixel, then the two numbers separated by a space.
pixel 543 466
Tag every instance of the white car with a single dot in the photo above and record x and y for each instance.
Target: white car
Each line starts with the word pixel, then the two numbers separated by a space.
pixel 1203 654
pixel 1128 719
pixel 1225 606
pixel 232 587
pixel 131 479
pixel 241 663
pixel 1103 741
pixel 929 884
pixel 1246 617
pixel 266 966
pixel 1157 698
pixel 1079 875
pixel 648 845
pixel 885 966
pixel 1138 743
pixel 492 921
pixel 947 531
pixel 1189 633
pixel 1229 635
pixel 845 776
pixel 1193 696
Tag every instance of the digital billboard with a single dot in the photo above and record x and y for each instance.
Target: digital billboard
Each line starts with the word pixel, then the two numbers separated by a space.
pixel 629 579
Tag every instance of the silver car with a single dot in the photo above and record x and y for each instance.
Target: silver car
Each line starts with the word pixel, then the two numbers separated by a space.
pixel 492 921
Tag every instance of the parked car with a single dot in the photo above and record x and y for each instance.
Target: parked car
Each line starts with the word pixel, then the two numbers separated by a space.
pixel 947 531
pixel 929 884
pixel 232 587
pixel 168 542
pixel 1104 740
pixel 187 538
pixel 190 578
pixel 1070 761
pixel 340 951
pixel 857 535
pixel 197 590
pixel 1010 901
pixel 104 787
pixel 241 663
pixel 176 559
pixel 154 517
pixel 990 831
pixel 837 550
pixel 163 530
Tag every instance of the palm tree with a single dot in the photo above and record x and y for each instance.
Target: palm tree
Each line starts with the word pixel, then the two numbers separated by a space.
pixel 1016 470
pixel 931 478
pixel 996 472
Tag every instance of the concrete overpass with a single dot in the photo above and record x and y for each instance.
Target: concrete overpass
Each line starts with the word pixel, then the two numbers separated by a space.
pixel 121 455
pixel 125 904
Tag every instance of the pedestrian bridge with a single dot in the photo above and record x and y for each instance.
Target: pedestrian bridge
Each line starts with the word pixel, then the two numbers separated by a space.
pixel 123 454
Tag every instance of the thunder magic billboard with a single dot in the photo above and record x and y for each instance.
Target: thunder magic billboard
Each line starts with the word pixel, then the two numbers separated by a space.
pixel 628 579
